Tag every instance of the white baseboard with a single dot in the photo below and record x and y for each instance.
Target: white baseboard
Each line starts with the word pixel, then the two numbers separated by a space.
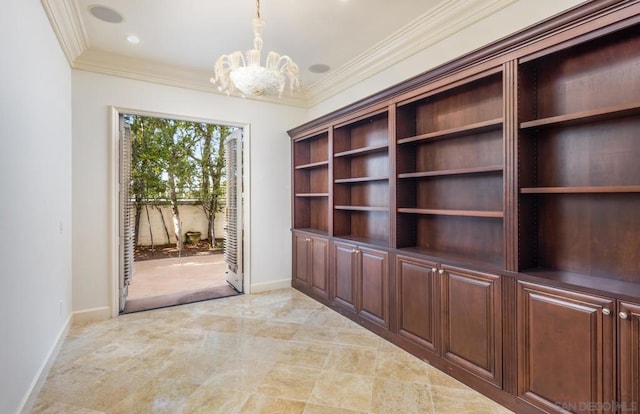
pixel 92 315
pixel 268 286
pixel 26 405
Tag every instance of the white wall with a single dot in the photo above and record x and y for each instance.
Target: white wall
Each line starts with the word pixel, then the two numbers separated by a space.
pixel 192 218
pixel 93 94
pixel 511 19
pixel 35 211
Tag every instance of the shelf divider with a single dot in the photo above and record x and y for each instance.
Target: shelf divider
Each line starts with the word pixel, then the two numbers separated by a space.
pixel 583 190
pixel 311 195
pixel 446 212
pixel 490 125
pixel 312 165
pixel 362 151
pixel 456 171
pixel 359 179
pixel 600 114
pixel 361 208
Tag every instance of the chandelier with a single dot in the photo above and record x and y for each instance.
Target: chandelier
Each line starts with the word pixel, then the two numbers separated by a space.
pixel 235 71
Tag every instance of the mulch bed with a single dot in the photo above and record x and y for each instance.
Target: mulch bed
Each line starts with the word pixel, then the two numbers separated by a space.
pixel 166 251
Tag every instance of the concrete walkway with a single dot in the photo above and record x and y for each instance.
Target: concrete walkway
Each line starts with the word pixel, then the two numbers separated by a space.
pixel 181 274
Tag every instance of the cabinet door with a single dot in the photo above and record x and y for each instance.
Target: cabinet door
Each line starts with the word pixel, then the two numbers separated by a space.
pixel 565 349
pixel 472 322
pixel 374 285
pixel 344 274
pixel 629 360
pixel 319 266
pixel 300 261
pixel 417 301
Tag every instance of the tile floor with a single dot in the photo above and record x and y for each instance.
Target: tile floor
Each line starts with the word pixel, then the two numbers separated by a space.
pixel 278 352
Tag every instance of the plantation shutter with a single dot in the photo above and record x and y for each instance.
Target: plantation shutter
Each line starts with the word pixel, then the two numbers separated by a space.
pixel 127 212
pixel 233 238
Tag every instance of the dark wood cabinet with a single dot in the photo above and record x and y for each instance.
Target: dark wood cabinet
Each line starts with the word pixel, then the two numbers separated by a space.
pixel 566 349
pixel 505 186
pixel 418 302
pixel 311 264
pixel 362 281
pixel 472 322
pixel 629 356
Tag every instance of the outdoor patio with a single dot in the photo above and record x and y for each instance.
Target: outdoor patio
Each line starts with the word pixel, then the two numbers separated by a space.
pixel 173 281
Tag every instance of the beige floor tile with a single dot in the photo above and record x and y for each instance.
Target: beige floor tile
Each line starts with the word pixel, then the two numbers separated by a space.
pixel 342 390
pixel 273 352
pixel 322 409
pixel 448 400
pixel 401 367
pixel 263 404
pixel 240 375
pixel 194 368
pixel 352 360
pixel 308 355
pixel 289 382
pixel 47 407
pixel 397 397
pixel 356 337
pixel 215 400
pixel 156 396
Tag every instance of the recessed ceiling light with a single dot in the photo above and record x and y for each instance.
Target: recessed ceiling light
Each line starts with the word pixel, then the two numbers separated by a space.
pixel 133 39
pixel 319 68
pixel 105 14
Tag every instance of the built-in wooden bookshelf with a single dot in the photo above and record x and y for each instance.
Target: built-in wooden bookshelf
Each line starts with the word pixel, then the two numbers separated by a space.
pixel 579 173
pixel 501 194
pixel 450 170
pixel 361 179
pixel 311 183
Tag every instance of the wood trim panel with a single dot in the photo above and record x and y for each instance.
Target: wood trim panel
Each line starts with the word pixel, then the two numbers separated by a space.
pixel 629 356
pixel 418 302
pixel 566 349
pixel 472 322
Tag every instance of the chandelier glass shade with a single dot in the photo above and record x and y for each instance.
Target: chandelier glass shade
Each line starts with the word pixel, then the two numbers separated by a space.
pixel 244 73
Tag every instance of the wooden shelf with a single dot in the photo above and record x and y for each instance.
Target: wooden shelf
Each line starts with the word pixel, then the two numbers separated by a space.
pixel 582 280
pixel 464 213
pixel 312 195
pixel 312 230
pixel 584 190
pixel 601 114
pixel 366 240
pixel 457 171
pixel 312 165
pixel 490 125
pixel 359 180
pixel 447 256
pixel 362 208
pixel 362 151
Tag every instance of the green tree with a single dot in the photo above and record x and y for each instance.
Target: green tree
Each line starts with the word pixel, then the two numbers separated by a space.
pixel 210 147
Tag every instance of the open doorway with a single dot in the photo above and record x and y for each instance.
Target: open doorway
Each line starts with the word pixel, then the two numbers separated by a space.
pixel 180 203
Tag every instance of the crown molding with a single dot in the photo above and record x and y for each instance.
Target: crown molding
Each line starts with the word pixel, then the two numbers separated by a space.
pixel 431 27
pixel 428 29
pixel 65 20
pixel 98 61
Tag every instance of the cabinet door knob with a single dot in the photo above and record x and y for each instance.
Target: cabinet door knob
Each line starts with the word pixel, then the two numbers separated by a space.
pixel 307 240
pixel 606 311
pixel 353 250
pixel 623 315
pixel 441 271
pixel 433 269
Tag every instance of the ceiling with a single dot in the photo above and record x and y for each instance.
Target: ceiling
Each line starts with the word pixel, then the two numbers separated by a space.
pixel 181 39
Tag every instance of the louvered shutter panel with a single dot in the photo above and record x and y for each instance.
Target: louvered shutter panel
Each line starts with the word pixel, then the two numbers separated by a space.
pixel 231 168
pixel 127 213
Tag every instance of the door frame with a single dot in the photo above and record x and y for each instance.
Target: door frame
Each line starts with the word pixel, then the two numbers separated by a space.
pixel 114 163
